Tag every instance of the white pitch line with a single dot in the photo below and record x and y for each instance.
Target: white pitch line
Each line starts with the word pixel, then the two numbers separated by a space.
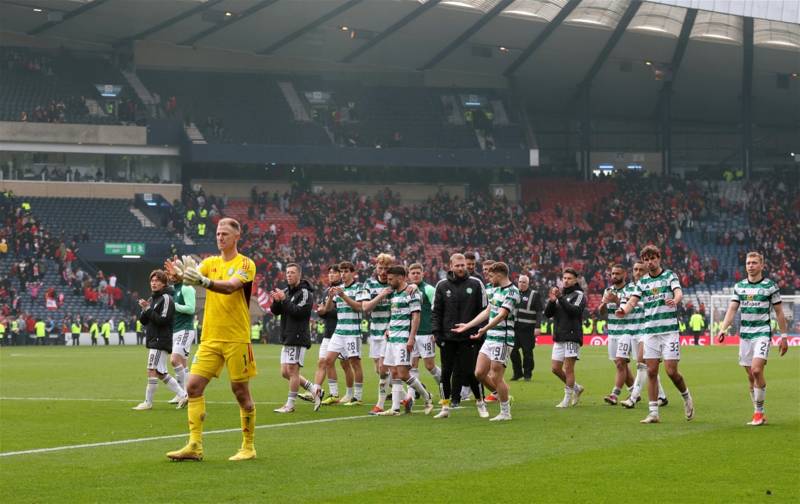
pixel 173 436
pixel 89 399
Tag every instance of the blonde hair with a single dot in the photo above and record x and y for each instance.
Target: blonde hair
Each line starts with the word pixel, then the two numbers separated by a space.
pixel 384 259
pixel 233 223
pixel 753 253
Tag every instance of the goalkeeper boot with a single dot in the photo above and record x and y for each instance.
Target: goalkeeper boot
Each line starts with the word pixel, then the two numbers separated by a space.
pixel 192 451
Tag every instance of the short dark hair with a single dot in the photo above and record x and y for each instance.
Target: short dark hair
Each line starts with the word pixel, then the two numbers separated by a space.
pixel 347 266
pixel 617 266
pixel 294 265
pixel 650 251
pixel 159 274
pixel 333 267
pixel 469 255
pixel 571 271
pixel 499 267
pixel 396 270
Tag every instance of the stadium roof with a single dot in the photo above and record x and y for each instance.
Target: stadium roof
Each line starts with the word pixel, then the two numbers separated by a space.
pixel 551 47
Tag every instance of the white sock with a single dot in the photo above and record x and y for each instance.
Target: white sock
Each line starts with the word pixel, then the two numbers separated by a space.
pixel 638 383
pixel 505 407
pixel 170 382
pixel 465 391
pixel 180 376
pixel 291 399
pixel 568 392
pixel 333 387
pixel 414 372
pixel 150 391
pixel 349 392
pixel 616 391
pixel 758 396
pixel 653 406
pixel 436 372
pixel 414 383
pixel 397 394
pixel 359 391
pixel 308 385
pixel 382 390
pixel 661 392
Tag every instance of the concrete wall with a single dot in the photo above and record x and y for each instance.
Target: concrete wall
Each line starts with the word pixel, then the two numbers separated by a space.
pixel 72 133
pixel 408 192
pixel 99 190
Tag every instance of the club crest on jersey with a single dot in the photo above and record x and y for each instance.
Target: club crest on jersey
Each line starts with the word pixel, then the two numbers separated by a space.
pixel 469 290
pixel 750 297
pixel 448 293
pixel 762 292
pixel 230 271
pixel 654 291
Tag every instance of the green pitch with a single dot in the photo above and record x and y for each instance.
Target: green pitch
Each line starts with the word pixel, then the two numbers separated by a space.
pixel 591 453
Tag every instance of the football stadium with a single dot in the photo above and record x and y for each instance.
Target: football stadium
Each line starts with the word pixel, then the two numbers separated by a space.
pixel 560 239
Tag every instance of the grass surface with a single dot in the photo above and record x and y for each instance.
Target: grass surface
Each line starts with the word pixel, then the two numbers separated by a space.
pixel 591 453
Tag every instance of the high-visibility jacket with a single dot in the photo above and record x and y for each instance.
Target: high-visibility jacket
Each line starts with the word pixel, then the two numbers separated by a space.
pixel 588 326
pixel 697 322
pixel 105 330
pixel 201 229
pixel 41 329
pixel 255 331
pixel 76 328
pixel 601 326
pixel 121 327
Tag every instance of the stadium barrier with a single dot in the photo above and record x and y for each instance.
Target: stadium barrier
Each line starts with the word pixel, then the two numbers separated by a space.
pixel 705 340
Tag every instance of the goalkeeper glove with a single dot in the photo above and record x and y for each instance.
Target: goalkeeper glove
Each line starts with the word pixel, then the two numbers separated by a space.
pixel 192 275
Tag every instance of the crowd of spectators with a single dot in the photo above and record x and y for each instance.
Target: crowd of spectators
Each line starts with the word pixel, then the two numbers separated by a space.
pixel 27 253
pixel 354 227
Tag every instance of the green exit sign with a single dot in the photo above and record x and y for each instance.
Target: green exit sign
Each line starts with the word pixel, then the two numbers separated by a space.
pixel 125 249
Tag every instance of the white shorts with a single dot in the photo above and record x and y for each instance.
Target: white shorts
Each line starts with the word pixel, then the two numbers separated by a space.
pixel 323 349
pixel 424 347
pixel 182 342
pixel 377 348
pixel 756 348
pixel 662 346
pixel 621 348
pixel 346 346
pixel 497 352
pixel 293 354
pixel 397 355
pixel 157 359
pixel 564 350
pixel 613 344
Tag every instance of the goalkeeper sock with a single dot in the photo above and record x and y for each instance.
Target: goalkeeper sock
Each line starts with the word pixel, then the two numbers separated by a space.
pixel 248 427
pixel 197 415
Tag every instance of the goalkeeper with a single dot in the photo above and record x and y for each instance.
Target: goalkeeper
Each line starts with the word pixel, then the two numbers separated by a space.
pixel 228 280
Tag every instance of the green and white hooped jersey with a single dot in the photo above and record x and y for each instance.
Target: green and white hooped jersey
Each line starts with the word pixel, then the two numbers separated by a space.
pixel 401 306
pixel 755 301
pixel 379 318
pixel 654 293
pixel 348 322
pixel 630 325
pixel 503 297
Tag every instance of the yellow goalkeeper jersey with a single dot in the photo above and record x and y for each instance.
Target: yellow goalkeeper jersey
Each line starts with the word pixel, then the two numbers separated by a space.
pixel 226 317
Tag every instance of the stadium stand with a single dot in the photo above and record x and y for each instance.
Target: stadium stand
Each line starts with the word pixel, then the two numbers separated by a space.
pixel 42 86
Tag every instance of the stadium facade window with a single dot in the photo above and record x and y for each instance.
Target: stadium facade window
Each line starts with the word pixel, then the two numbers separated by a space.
pixel 658 19
pixel 776 34
pixel 540 10
pixel 600 13
pixel 473 5
pixel 716 27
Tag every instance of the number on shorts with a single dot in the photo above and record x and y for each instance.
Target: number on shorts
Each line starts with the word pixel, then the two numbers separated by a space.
pixel 674 346
pixel 291 353
pixel 429 347
pixel 403 354
pixel 496 351
pixel 764 347
pixel 624 348
pixel 351 346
